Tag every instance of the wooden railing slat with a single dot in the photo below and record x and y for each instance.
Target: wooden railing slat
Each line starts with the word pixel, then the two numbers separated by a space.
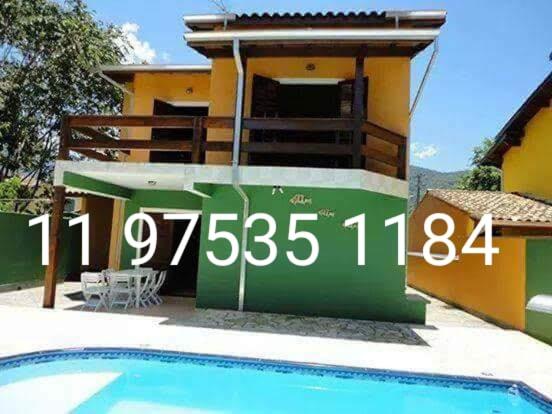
pixel 90 153
pixel 297 148
pixel 299 124
pixel 87 125
pixel 380 156
pixel 155 121
pixel 383 133
pixel 135 144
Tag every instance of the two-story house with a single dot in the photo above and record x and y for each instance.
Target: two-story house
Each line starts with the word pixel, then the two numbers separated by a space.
pixel 516 290
pixel 296 114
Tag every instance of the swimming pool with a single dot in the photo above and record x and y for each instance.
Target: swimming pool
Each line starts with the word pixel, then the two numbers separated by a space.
pixel 136 381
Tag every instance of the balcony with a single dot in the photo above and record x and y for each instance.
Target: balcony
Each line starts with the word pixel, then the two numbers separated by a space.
pixel 91 136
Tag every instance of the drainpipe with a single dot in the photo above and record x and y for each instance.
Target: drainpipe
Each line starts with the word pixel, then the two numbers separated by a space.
pixel 426 76
pixel 236 166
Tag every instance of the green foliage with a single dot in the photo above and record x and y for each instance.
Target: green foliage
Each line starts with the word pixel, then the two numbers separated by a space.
pixel 10 190
pixel 481 177
pixel 429 179
pixel 48 50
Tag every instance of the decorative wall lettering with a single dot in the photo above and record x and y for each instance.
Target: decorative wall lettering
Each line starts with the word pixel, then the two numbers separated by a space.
pixel 300 199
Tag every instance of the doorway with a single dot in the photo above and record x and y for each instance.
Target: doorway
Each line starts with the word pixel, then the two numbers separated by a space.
pixel 165 108
pixel 181 278
pixel 315 99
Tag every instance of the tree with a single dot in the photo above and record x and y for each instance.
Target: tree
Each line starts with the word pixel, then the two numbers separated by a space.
pixel 481 177
pixel 10 190
pixel 48 50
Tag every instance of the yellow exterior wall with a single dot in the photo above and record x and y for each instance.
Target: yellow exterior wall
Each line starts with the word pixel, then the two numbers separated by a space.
pixel 164 86
pixel 388 92
pixel 496 291
pixel 388 101
pixel 527 168
pixel 147 87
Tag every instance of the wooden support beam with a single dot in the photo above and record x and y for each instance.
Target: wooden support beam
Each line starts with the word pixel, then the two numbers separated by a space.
pixel 197 140
pixel 54 247
pixel 358 110
pixel 64 139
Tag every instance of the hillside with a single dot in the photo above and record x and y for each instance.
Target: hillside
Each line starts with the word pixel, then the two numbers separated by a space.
pixel 430 179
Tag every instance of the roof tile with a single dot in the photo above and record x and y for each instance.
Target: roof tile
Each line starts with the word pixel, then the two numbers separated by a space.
pixel 503 206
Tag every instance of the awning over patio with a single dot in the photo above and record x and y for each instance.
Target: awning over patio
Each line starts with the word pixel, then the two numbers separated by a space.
pixel 119 179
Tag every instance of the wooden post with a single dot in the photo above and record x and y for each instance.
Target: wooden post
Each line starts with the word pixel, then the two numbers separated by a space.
pixel 55 238
pixel 56 220
pixel 64 139
pixel 197 140
pixel 401 156
pixel 358 110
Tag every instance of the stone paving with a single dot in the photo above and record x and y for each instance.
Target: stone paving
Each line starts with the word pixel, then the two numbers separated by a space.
pixel 182 312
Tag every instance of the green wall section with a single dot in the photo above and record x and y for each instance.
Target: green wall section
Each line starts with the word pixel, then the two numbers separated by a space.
pixel 96 186
pixel 334 285
pixel 153 199
pixel 21 249
pixel 539 281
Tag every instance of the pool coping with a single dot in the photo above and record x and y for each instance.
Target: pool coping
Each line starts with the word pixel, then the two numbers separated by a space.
pixel 340 371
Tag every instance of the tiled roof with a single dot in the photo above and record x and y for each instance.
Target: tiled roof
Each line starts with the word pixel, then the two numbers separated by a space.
pixel 298 15
pixel 503 206
pixel 430 18
pixel 387 18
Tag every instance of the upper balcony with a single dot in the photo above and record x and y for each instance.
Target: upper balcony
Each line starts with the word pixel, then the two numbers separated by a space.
pixel 285 142
pixel 327 92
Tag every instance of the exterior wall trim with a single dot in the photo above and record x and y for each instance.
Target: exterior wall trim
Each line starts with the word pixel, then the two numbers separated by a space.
pixel 182 176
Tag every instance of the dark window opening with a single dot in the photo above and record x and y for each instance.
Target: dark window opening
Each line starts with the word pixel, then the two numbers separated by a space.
pixel 185 134
pixel 181 278
pixel 271 99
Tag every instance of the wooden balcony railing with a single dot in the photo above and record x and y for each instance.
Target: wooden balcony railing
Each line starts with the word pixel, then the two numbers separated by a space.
pixel 96 139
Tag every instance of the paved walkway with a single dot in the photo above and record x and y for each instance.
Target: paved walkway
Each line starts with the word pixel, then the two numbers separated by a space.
pixel 452 342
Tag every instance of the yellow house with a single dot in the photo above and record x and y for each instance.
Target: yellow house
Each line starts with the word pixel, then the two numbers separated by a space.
pixel 516 290
pixel 523 147
pixel 303 114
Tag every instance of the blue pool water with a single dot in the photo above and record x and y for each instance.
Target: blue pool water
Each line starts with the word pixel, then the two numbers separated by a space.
pixel 134 381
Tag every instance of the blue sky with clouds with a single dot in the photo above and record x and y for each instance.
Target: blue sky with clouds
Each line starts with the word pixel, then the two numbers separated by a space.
pixel 492 55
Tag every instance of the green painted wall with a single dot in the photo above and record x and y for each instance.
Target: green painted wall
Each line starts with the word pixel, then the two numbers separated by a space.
pixel 97 186
pixel 153 199
pixel 334 285
pixel 539 281
pixel 21 249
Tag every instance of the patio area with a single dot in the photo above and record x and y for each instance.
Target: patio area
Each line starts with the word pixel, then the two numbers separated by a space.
pixel 452 341
pixel 182 311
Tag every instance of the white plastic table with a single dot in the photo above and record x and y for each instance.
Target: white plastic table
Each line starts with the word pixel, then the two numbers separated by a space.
pixel 137 274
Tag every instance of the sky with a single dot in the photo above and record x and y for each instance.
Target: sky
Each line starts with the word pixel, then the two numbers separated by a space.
pixel 492 55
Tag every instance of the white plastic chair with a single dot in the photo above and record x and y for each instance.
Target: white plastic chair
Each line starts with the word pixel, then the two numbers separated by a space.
pixel 121 290
pixel 146 289
pixel 157 287
pixel 95 290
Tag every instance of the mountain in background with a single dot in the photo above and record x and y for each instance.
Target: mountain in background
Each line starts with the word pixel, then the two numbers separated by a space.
pixel 430 179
